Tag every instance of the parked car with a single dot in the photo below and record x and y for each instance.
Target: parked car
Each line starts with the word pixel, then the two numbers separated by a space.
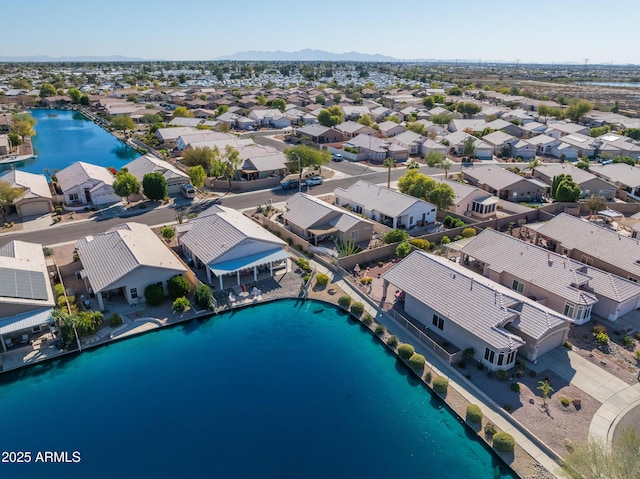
pixel 313 181
pixel 336 157
pixel 288 184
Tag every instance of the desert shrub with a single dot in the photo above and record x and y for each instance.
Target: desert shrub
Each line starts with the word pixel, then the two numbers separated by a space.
pixel 61 302
pixel 440 384
pixel 203 298
pixel 395 236
pixel 405 351
pixel 515 387
pixel 47 251
pixel 417 361
pixel 468 232
pixel 568 344
pixel 502 375
pixel 403 249
pixel 507 407
pixel 303 264
pixel 180 305
pixel 490 429
pixel 565 402
pixel 503 442
pixel 167 232
pixel 427 377
pixel 58 290
pixel 380 330
pixel 357 309
pixel 445 240
pixel 115 320
pixel 58 210
pixel 598 329
pixel 602 339
pixel 380 264
pixel 628 341
pixel 420 243
pixel 322 279
pixel 344 301
pixel 366 280
pixel 154 294
pixel 366 319
pixel 393 341
pixel 638 354
pixel 177 287
pixel 474 413
pixel 306 278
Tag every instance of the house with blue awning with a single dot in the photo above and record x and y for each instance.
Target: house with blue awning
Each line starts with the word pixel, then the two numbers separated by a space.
pixel 227 243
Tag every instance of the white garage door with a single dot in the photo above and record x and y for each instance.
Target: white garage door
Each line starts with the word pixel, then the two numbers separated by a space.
pixel 551 342
pixel 34 208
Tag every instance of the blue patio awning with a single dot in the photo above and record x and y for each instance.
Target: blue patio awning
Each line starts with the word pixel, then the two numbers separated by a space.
pixel 23 321
pixel 247 262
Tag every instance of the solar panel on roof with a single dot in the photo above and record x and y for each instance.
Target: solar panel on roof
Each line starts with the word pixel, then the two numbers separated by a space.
pixel 15 283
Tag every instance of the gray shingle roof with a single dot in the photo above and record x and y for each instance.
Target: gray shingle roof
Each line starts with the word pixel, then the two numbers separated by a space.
pixel 77 173
pixel 471 301
pixel 494 176
pixel 389 202
pixel 109 256
pixel 150 164
pixel 306 211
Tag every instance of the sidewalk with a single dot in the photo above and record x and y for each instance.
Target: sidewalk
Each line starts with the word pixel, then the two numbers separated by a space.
pixel 492 411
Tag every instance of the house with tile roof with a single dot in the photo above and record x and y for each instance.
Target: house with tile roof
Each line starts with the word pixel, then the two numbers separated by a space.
pixel 471 201
pixel 470 311
pixel 504 184
pixel 318 134
pixel 124 260
pixel 385 205
pixel 349 129
pixel 228 244
pixel 625 177
pixel 590 244
pixel 36 196
pixel 567 286
pixel 86 184
pixel 146 164
pixel 26 296
pixel 314 220
pixel 589 183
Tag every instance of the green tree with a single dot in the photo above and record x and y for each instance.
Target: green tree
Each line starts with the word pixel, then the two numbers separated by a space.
pixel 469 147
pixel 22 128
pixel 468 109
pixel 85 100
pixel 388 164
pixel 416 127
pixel 632 133
pixel 442 196
pixel 595 204
pixel 47 89
pixel 180 305
pixel 320 99
pixel 125 184
pixel 433 159
pixel 222 109
pixel 154 294
pixel 545 389
pixel 441 118
pixel 177 287
pixel 309 156
pixel 548 111
pixel 366 120
pixel 167 232
pixel 154 186
pixel 395 236
pixel 14 140
pixel 8 194
pixel 428 102
pixel 230 161
pixel 331 116
pixel 199 156
pixel 197 176
pixel 594 460
pixel 203 297
pixel 403 249
pixel 416 184
pixel 578 109
pixel 279 103
pixel 150 119
pixel 74 94
pixel 261 100
pixel 182 112
pixel 454 91
pixel 563 188
pixel 393 118
pixel 533 164
pixel 122 123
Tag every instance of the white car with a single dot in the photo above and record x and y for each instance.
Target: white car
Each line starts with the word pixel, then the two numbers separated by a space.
pixel 313 181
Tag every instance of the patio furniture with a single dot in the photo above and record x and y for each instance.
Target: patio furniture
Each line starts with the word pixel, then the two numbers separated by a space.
pixel 24 339
pixel 8 343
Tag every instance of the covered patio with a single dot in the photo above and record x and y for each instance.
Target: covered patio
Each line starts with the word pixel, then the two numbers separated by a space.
pixel 238 268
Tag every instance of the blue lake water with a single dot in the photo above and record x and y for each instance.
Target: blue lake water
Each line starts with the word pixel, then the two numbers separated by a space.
pixel 606 83
pixel 282 390
pixel 65 136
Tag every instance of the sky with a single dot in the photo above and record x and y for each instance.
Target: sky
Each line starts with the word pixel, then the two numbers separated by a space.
pixel 544 31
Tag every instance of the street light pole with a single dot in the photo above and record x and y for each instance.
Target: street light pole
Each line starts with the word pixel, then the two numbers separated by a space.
pixel 293 153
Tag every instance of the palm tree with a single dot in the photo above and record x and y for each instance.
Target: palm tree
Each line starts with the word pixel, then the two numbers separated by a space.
pixel 533 164
pixel 389 163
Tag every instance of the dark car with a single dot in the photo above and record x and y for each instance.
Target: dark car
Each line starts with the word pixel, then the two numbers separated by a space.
pixel 288 184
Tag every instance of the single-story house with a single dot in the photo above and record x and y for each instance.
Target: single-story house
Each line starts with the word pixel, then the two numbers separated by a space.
pixel 318 134
pixel 626 177
pixel 499 140
pixel 567 286
pixel 504 184
pixel 174 176
pixel 506 127
pixel 589 183
pixel 270 117
pixel 466 125
pixel 349 129
pixel 386 206
pixel 314 220
pixel 125 260
pixel 390 128
pixel 36 196
pixel 471 201
pixel 84 184
pixel 485 316
pixel 524 150
pixel 228 243
pixel 261 162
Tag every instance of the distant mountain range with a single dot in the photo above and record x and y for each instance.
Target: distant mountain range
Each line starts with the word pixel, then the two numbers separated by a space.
pixel 308 55
pixel 48 59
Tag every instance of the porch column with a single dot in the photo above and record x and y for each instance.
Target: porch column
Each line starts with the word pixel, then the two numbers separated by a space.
pixel 4 346
pixel 100 303
pixel 221 282
pixel 238 276
pixel 208 274
pixel 271 269
pixel 255 273
pixel 395 223
pixel 385 286
pixel 287 267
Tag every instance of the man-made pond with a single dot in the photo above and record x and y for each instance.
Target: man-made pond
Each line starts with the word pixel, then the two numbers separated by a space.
pixel 65 136
pixel 280 390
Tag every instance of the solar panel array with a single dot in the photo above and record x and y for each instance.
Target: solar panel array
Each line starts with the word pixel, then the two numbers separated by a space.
pixel 15 283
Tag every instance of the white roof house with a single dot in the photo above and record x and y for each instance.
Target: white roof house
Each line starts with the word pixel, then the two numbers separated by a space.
pixel 84 183
pixel 314 219
pixel 485 316
pixel 386 206
pixel 564 285
pixel 36 196
pixel 146 164
pixel 227 242
pixel 126 259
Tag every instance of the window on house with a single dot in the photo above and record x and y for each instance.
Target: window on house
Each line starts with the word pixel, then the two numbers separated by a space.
pixel 410 220
pixel 134 293
pixel 489 355
pixel 511 357
pixel 517 286
pixel 583 312
pixel 500 359
pixel 569 309
pixel 36 329
pixel 633 279
pixel 586 260
pixel 354 234
pixel 73 197
pixel 438 322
